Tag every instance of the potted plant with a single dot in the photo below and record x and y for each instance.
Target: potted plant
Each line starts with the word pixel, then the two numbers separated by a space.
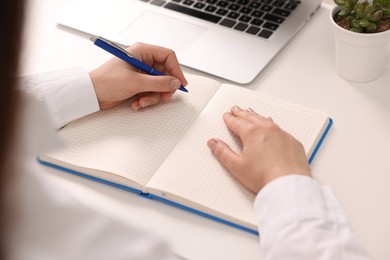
pixel 362 31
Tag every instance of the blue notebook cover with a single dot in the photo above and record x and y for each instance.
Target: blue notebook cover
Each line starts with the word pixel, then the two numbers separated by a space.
pixel 151 196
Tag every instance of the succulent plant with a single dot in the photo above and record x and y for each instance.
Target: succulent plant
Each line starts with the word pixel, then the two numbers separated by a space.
pixel 363 16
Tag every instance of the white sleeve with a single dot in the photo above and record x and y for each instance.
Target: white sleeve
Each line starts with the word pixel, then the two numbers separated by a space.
pixel 68 94
pixel 299 218
pixel 54 225
pixel 50 222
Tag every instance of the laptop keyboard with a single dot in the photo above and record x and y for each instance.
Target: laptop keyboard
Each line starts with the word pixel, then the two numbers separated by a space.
pixel 256 17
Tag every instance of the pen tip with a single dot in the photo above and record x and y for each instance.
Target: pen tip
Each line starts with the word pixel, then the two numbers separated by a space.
pixel 183 89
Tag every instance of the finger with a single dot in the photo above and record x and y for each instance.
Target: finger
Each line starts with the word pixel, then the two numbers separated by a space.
pixel 236 124
pixel 167 96
pixel 147 83
pixel 171 64
pixel 149 99
pixel 160 58
pixel 224 154
pixel 135 105
pixel 248 114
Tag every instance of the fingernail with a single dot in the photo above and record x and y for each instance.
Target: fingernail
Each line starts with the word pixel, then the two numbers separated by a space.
pixel 212 144
pixel 227 114
pixel 175 84
pixel 236 108
pixel 146 103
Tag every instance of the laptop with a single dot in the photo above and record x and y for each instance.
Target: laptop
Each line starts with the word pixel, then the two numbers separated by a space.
pixel 230 39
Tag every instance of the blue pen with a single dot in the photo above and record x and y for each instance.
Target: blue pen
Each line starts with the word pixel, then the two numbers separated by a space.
pixel 124 55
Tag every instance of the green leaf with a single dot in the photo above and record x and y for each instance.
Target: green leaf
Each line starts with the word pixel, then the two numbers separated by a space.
pixel 350 20
pixel 354 2
pixel 371 27
pixel 359 9
pixel 375 16
pixel 344 12
pixel 339 2
pixel 385 3
pixel 356 23
pixel 357 29
pixel 369 9
pixel 386 11
pixel 364 23
pixel 348 5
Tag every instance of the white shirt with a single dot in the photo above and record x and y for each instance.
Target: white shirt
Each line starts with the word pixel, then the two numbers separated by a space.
pixel 298 218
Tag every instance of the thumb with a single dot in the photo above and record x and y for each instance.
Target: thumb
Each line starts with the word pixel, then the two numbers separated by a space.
pixel 224 154
pixel 149 83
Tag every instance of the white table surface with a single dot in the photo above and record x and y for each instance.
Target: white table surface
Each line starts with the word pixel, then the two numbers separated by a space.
pixel 354 159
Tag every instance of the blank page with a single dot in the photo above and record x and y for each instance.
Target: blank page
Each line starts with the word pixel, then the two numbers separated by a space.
pixel 127 143
pixel 192 172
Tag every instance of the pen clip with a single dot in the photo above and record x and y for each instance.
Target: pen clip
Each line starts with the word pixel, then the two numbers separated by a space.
pixel 112 44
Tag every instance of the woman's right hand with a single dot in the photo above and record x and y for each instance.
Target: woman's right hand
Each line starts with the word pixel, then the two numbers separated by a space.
pixel 268 151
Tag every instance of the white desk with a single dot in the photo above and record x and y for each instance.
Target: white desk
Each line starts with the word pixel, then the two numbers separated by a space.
pixel 354 160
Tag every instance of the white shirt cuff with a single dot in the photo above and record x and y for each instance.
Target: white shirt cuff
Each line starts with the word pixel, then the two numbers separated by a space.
pixel 295 197
pixel 69 93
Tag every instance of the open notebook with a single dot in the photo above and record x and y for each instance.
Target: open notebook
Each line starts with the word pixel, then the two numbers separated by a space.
pixel 161 151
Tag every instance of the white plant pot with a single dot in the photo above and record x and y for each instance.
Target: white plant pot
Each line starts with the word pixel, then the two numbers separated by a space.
pixel 360 57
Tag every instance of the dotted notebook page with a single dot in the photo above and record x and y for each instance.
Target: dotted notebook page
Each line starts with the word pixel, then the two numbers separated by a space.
pixel 128 143
pixel 191 172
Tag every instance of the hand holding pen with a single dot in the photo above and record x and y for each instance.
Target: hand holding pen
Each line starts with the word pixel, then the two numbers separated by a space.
pixel 121 53
pixel 116 81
